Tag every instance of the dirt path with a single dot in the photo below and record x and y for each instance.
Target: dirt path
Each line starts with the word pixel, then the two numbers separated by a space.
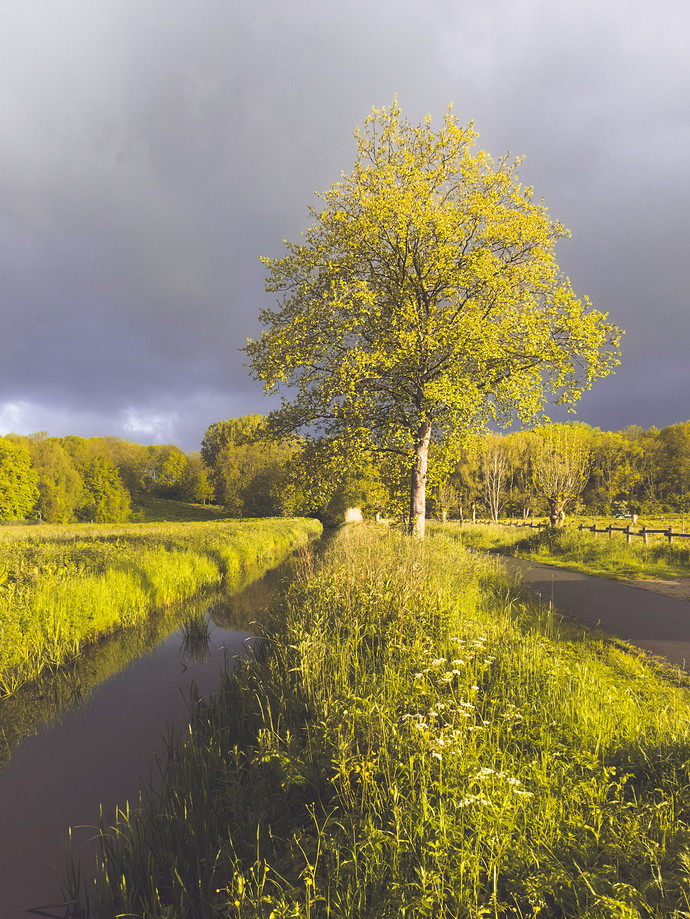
pixel 640 613
pixel 680 587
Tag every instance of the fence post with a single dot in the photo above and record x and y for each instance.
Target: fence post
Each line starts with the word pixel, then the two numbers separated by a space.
pixel 645 536
pixel 669 535
pixel 609 530
pixel 628 533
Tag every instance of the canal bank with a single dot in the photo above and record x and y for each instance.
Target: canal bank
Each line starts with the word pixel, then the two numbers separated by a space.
pixel 103 748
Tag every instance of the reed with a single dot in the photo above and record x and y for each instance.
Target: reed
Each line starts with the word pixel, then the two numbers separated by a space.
pixel 421 741
pixel 64 587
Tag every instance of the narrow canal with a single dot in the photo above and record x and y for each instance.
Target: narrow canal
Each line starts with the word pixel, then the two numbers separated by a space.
pixel 96 745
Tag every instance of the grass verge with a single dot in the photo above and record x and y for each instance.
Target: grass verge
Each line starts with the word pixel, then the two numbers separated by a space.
pixel 610 557
pixel 64 587
pixel 165 510
pixel 419 742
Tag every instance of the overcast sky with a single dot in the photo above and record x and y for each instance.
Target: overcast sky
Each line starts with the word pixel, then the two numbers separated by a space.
pixel 152 150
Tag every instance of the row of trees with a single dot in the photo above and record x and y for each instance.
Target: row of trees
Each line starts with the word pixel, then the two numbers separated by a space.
pixel 66 479
pixel 547 470
pixel 550 469
pixel 556 467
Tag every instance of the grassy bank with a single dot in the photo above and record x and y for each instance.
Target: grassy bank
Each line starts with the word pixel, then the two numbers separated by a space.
pixel 572 548
pixel 147 509
pixel 420 742
pixel 63 587
pixel 45 701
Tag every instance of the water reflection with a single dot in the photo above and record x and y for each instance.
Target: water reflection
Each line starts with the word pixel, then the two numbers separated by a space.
pixel 44 702
pixel 196 637
pixel 91 732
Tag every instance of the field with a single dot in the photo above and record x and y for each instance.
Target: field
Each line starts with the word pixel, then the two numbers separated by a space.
pixel 161 510
pixel 420 741
pixel 62 587
pixel 596 554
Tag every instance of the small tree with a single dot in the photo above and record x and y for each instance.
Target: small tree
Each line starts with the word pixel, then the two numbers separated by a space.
pixel 494 468
pixel 561 464
pixel 446 500
pixel 520 446
pixel 197 485
pixel 222 435
pixel 424 301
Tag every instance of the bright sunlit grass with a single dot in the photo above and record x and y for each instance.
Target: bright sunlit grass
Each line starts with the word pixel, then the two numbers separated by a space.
pixel 64 586
pixel 421 741
pixel 610 556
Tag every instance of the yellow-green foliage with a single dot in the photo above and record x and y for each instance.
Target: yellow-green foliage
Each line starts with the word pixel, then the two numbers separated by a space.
pixel 61 587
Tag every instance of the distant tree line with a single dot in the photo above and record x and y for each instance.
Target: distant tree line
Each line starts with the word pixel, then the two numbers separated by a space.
pixel 551 469
pixel 570 466
pixel 76 479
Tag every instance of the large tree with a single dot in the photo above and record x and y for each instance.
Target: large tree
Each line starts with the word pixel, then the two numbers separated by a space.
pixel 675 464
pixel 18 480
pixel 561 463
pixel 494 465
pixel 424 301
pixel 60 486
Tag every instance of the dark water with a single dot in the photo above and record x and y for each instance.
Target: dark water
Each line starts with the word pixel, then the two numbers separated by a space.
pixel 99 746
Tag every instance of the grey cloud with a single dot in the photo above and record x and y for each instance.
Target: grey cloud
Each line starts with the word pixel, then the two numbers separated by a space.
pixel 150 152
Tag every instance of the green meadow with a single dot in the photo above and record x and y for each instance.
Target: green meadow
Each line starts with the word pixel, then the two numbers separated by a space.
pixel 609 556
pixel 64 587
pixel 419 740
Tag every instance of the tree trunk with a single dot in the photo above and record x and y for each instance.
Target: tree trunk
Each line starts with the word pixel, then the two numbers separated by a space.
pixel 418 482
pixel 556 511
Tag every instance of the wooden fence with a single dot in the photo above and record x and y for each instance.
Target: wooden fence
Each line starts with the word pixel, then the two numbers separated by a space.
pixel 669 532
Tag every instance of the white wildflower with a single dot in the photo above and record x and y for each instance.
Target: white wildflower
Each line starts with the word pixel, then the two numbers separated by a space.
pixel 473 799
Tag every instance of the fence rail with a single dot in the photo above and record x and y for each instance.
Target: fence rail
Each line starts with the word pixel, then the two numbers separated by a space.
pixel 669 533
pixel 645 533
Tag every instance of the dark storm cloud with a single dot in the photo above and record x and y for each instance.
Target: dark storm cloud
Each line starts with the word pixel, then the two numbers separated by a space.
pixel 150 152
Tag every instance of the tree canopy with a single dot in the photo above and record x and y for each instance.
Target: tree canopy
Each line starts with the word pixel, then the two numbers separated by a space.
pixel 424 301
pixel 18 480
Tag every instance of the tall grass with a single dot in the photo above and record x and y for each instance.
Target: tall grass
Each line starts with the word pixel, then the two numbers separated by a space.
pixel 609 556
pixel 63 587
pixel 420 742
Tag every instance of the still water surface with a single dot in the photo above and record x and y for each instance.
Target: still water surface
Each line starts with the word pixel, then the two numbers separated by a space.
pixel 101 750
